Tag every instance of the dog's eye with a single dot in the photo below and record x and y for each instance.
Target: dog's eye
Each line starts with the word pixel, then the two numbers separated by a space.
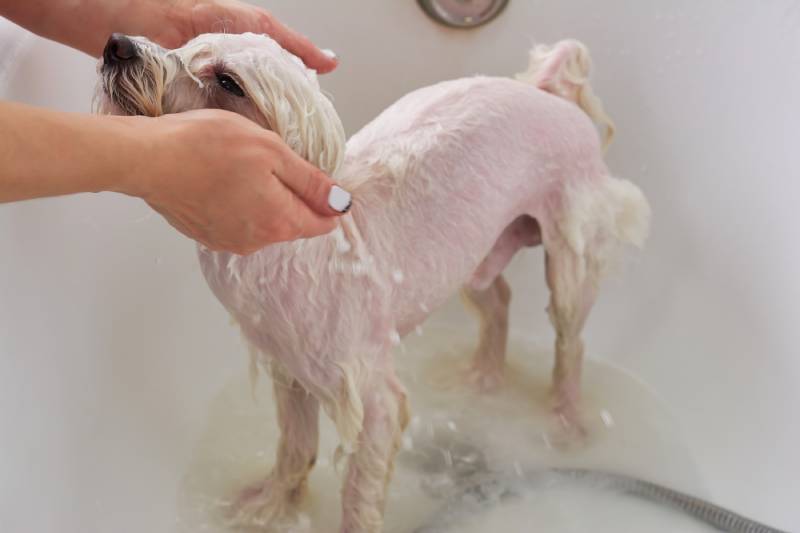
pixel 228 83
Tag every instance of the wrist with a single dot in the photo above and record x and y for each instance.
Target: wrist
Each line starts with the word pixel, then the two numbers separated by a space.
pixel 133 154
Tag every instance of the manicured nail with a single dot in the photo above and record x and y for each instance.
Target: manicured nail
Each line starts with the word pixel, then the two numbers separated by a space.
pixel 330 53
pixel 339 199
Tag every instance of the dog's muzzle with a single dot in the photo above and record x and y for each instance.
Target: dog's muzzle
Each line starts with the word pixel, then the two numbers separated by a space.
pixel 132 77
pixel 119 50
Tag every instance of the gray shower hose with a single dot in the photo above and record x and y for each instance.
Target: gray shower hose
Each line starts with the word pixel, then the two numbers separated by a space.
pixel 493 489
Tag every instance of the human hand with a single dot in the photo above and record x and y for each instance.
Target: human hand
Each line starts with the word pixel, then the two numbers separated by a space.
pixel 230 184
pixel 189 18
pixel 86 25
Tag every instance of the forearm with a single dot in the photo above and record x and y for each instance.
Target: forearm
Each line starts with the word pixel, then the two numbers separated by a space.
pixel 51 153
pixel 86 24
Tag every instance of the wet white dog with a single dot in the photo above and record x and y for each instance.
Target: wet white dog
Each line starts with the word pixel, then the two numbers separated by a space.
pixel 448 184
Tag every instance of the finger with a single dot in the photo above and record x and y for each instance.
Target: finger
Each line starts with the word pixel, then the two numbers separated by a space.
pixel 295 221
pixel 302 47
pixel 309 224
pixel 313 186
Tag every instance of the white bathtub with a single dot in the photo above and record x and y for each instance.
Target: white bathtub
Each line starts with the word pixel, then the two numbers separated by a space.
pixel 111 346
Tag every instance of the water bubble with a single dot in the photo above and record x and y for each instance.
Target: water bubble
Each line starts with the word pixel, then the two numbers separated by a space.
pixel 418 330
pixel 448 458
pixel 471 458
pixel 424 308
pixel 608 420
pixel 397 276
pixel 408 443
pixel 343 246
pixel 451 425
pixel 394 337
pixel 303 522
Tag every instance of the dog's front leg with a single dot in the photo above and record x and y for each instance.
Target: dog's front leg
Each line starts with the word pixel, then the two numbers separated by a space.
pixel 370 466
pixel 272 501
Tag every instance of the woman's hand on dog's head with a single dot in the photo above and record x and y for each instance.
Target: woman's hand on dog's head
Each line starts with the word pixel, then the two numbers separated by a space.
pixel 230 184
pixel 189 18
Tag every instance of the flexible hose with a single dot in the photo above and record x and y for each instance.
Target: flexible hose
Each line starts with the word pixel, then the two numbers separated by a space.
pixel 492 490
pixel 713 515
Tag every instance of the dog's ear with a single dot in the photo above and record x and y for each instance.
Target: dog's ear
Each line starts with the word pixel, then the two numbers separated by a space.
pixel 288 97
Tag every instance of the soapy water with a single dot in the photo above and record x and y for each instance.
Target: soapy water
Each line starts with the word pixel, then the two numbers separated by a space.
pixel 456 435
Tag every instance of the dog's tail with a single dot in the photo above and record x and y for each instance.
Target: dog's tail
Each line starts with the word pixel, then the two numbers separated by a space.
pixel 563 70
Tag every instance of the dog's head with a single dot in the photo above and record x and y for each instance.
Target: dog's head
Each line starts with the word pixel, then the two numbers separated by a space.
pixel 248 74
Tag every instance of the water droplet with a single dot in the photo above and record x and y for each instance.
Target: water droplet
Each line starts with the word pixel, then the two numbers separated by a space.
pixel 394 337
pixel 608 420
pixel 418 330
pixel 408 443
pixel 451 425
pixel 448 458
pixel 397 276
pixel 343 246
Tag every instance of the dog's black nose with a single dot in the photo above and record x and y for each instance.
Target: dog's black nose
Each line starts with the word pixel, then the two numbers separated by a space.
pixel 119 49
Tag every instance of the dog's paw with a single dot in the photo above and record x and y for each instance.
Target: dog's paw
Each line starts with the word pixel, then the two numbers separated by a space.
pixel 267 507
pixel 568 428
pixel 484 380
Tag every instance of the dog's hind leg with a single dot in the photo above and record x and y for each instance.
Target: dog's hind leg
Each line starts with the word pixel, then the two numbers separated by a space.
pixel 572 282
pixel 489 295
pixel 491 305
pixel 370 465
pixel 273 500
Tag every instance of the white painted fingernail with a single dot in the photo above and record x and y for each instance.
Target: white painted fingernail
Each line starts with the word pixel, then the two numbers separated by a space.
pixel 330 53
pixel 339 199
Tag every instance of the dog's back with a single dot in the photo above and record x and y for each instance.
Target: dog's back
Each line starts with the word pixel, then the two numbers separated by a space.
pixel 440 174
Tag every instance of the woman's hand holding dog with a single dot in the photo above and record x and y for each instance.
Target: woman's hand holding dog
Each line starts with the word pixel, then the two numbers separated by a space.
pixel 230 184
pixel 86 24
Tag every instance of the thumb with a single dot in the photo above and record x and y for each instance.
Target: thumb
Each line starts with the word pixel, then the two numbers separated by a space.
pixel 313 186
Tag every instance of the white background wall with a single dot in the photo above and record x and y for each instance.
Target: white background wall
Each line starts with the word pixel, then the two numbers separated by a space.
pixel 111 346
